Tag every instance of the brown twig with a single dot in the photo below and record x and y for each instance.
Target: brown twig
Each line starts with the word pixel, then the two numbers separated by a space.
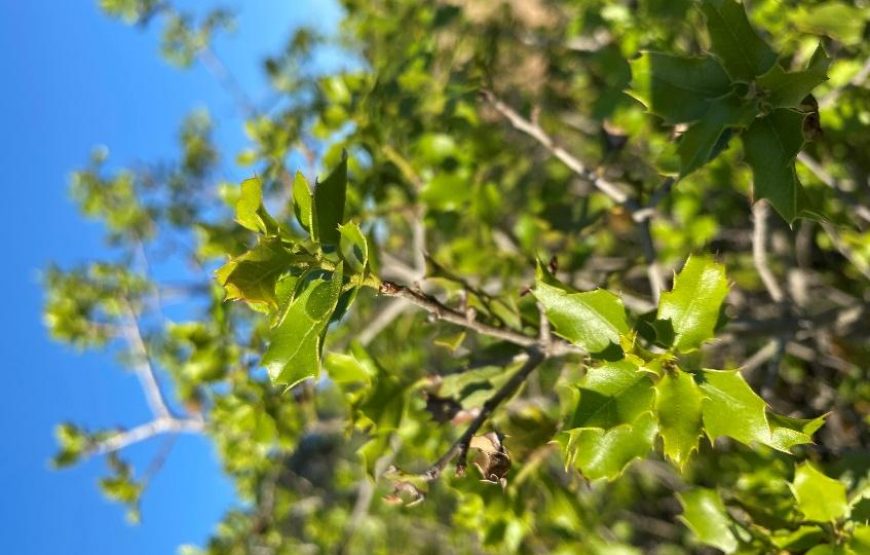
pixel 460 447
pixel 617 193
pixel 440 311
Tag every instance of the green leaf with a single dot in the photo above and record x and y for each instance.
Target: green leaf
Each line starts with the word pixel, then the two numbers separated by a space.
pixel 594 319
pixel 353 247
pixel 677 88
pixel 302 201
pixel 613 394
pixel 787 89
pixel 296 341
pixel 252 276
pixel 786 432
pixel 732 409
pixel 819 497
pixel 604 454
pixel 771 145
pixel 346 369
pixel 703 140
pixel 694 303
pixel 705 515
pixel 838 20
pixel 744 54
pixel 250 212
pixel 329 199
pixel 678 407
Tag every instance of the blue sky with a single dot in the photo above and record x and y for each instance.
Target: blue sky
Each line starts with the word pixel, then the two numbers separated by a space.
pixel 72 80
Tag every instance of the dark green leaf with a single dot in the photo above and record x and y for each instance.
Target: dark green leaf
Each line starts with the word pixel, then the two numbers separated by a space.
pixel 771 145
pixel 744 54
pixel 329 198
pixel 703 140
pixel 677 88
pixel 787 89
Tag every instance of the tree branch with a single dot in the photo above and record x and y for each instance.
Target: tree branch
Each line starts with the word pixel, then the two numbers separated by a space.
pixel 143 367
pixel 616 193
pixel 440 311
pixel 760 211
pixel 460 447
pixel 145 431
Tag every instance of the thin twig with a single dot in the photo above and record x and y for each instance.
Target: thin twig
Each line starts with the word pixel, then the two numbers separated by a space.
pixel 616 193
pixel 440 311
pixel 760 211
pixel 460 447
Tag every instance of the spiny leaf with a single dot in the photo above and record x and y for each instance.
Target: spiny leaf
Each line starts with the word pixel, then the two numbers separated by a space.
pixel 771 145
pixel 703 140
pixel 677 88
pixel 694 303
pixel 604 454
pixel 250 212
pixel 787 89
pixel 594 319
pixel 252 276
pixel 613 394
pixel 705 515
pixel 678 407
pixel 744 54
pixel 732 409
pixel 296 341
pixel 819 497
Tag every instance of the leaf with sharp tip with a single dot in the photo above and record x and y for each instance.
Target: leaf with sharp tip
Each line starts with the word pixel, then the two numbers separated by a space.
pixel 295 342
pixel 786 89
pixel 677 88
pixel 613 394
pixel 705 515
pixel 328 207
pixel 678 407
pixel 743 52
pixel 694 303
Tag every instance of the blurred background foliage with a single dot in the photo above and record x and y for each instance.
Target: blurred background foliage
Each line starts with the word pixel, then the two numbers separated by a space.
pixel 434 167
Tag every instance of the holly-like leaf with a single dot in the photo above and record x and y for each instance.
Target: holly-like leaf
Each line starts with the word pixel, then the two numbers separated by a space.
pixel 771 145
pixel 353 247
pixel 604 454
pixel 613 394
pixel 732 409
pixel 706 516
pixel 250 212
pixel 694 303
pixel 593 320
pixel 677 88
pixel 786 432
pixel 296 341
pixel 819 497
pixel 743 52
pixel 678 407
pixel 329 199
pixel 252 276
pixel 703 140
pixel 786 89
pixel 302 202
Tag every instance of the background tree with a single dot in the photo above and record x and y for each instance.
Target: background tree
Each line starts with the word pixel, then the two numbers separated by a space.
pixel 542 243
